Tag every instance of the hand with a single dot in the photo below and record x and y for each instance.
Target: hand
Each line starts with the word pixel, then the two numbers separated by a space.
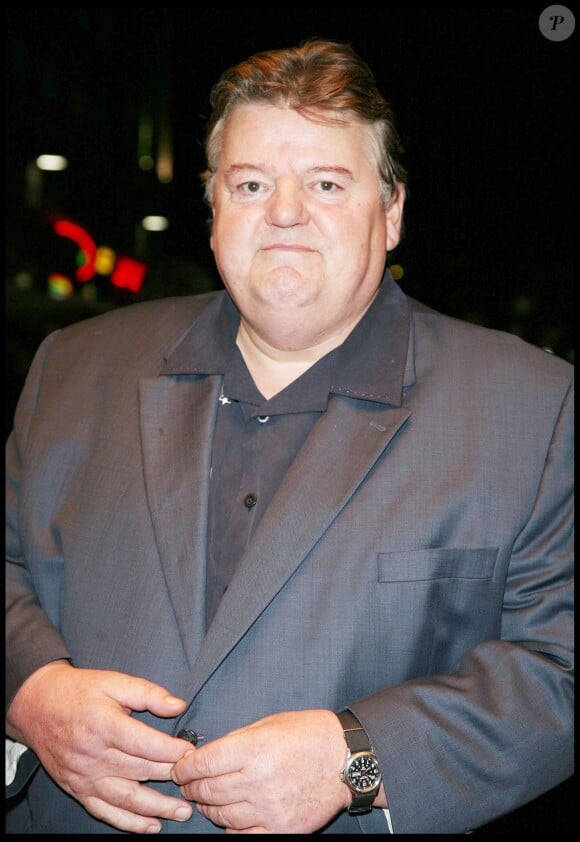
pixel 78 721
pixel 277 775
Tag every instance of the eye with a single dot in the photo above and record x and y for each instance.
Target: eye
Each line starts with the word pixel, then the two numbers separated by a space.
pixel 328 186
pixel 250 187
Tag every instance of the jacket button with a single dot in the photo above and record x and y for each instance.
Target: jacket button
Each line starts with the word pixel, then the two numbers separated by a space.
pixel 189 735
pixel 250 500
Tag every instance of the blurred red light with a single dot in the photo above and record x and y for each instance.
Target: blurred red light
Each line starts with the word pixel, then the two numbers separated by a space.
pixel 129 273
pixel 65 228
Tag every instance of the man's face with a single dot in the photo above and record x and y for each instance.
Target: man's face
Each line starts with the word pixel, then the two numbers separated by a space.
pixel 299 234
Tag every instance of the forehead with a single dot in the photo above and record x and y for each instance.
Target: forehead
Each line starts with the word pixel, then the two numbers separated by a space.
pixel 264 131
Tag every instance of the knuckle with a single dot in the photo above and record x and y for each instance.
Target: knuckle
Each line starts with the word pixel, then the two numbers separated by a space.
pixel 205 792
pixel 221 818
pixel 128 800
pixel 204 764
pixel 95 807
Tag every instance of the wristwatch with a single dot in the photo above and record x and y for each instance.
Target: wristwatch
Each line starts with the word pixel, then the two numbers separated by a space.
pixel 361 771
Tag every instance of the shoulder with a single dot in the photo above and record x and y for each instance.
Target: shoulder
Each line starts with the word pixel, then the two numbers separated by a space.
pixel 482 351
pixel 146 326
pixel 163 316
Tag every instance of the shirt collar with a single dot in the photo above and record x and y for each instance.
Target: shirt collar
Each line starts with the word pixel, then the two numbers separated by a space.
pixel 369 365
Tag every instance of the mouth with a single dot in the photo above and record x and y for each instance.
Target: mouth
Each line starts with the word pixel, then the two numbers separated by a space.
pixel 287 247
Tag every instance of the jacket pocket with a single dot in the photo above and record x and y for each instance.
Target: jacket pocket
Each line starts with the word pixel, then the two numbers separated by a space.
pixel 437 563
pixel 437 603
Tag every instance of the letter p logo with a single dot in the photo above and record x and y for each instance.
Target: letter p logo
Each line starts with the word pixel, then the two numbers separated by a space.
pixel 557 23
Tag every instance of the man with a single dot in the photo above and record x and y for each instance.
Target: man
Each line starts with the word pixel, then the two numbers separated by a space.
pixel 310 524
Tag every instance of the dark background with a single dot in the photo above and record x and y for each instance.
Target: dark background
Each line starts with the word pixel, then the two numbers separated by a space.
pixel 484 105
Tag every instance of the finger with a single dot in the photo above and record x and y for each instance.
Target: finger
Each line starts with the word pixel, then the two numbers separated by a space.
pixel 224 789
pixel 141 694
pixel 140 740
pixel 240 817
pixel 125 747
pixel 121 819
pixel 219 757
pixel 133 807
pixel 137 768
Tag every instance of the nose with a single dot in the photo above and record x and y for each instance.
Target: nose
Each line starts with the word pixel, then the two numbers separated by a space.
pixel 287 205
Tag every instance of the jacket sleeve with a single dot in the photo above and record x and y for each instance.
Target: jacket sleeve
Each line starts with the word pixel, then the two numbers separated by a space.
pixel 32 636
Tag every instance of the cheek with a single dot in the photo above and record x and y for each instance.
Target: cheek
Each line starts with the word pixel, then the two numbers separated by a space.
pixel 233 230
pixel 233 246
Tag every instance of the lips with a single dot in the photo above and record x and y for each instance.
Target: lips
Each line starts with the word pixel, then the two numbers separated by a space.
pixel 287 247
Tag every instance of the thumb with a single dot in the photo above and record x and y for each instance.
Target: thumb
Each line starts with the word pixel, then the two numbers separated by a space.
pixel 141 694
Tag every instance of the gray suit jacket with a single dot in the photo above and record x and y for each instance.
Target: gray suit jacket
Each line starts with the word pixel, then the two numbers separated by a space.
pixel 415 564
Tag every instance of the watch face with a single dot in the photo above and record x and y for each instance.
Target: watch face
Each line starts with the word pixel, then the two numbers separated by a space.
pixel 363 773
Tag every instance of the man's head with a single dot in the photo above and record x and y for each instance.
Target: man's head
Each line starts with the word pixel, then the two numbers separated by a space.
pixel 320 79
pixel 307 191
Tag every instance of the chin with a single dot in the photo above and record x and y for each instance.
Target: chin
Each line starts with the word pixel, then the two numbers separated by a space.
pixel 286 288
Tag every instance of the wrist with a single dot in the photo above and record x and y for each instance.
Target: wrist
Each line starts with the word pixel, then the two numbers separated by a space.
pixel 30 690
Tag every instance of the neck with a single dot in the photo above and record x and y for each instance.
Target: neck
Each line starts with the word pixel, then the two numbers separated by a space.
pixel 273 369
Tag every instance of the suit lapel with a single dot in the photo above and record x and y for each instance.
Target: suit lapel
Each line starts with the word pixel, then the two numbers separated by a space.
pixel 177 424
pixel 341 449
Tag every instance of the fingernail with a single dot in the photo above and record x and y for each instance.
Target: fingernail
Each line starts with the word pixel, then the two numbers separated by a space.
pixel 153 828
pixel 182 814
pixel 173 700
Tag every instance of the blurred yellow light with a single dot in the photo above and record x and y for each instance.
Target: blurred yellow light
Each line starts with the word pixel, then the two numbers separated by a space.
pixel 88 292
pixel 146 162
pixel 397 271
pixel 104 260
pixel 23 280
pixel 59 287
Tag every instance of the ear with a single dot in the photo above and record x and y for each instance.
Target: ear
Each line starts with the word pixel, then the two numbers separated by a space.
pixel 211 229
pixel 394 217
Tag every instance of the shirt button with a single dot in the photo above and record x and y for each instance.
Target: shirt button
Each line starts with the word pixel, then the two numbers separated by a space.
pixel 250 500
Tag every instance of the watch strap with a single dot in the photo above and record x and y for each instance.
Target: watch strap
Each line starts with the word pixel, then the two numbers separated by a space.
pixel 355 735
pixel 361 804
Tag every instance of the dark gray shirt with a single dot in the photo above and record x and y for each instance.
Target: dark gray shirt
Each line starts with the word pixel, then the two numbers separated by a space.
pixel 256 440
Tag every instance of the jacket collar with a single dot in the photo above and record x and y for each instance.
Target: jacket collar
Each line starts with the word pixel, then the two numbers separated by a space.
pixel 369 365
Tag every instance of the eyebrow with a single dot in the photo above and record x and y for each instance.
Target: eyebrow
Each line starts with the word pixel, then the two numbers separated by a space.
pixel 324 168
pixel 332 168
